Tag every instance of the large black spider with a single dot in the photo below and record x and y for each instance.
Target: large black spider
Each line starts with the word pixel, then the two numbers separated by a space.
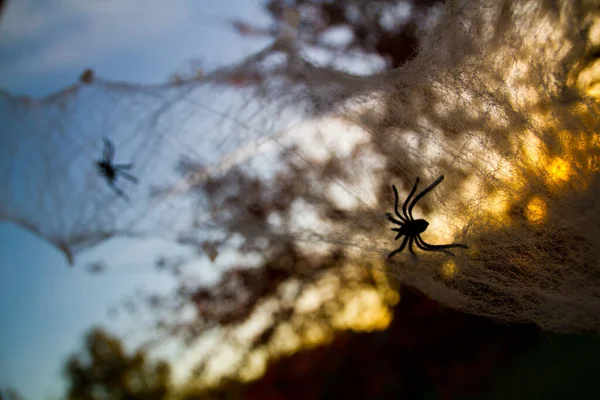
pixel 111 171
pixel 412 228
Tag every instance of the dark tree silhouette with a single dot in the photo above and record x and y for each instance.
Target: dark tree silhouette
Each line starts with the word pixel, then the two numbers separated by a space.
pixel 427 352
pixel 103 370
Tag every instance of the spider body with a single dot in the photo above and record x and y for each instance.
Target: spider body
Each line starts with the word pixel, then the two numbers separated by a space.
pixel 412 228
pixel 107 170
pixel 111 171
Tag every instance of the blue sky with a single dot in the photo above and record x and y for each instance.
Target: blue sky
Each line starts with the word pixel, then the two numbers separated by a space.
pixel 45 44
pixel 45 306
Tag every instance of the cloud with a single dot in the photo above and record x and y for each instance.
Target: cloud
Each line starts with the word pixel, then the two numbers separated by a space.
pixel 43 36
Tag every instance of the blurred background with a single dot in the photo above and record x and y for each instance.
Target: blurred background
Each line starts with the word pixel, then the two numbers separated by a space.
pixel 104 298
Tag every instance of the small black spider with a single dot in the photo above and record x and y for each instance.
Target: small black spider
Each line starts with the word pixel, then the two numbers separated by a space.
pixel 111 171
pixel 412 228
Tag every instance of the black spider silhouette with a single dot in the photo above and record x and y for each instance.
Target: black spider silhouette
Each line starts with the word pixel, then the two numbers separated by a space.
pixel 412 228
pixel 111 171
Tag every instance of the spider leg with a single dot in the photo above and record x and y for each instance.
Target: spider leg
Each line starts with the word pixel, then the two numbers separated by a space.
pixel 407 215
pixel 109 150
pixel 422 247
pixel 123 166
pixel 127 176
pixel 118 191
pixel 440 247
pixel 123 195
pixel 399 249
pixel 105 152
pixel 444 246
pixel 410 245
pixel 394 220
pixel 403 219
pixel 423 193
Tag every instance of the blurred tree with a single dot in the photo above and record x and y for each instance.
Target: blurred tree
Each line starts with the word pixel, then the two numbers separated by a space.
pixel 389 29
pixel 103 370
pixel 427 352
pixel 447 350
pixel 243 203
pixel 336 41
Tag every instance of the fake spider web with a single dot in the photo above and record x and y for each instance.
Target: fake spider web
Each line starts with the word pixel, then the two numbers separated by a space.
pixel 499 100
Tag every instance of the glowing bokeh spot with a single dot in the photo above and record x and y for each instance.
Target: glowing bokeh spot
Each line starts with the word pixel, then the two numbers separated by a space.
pixel 589 79
pixel 559 171
pixel 536 210
pixel 449 269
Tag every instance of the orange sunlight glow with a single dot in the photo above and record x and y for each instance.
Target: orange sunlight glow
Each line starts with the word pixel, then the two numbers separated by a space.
pixel 338 307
